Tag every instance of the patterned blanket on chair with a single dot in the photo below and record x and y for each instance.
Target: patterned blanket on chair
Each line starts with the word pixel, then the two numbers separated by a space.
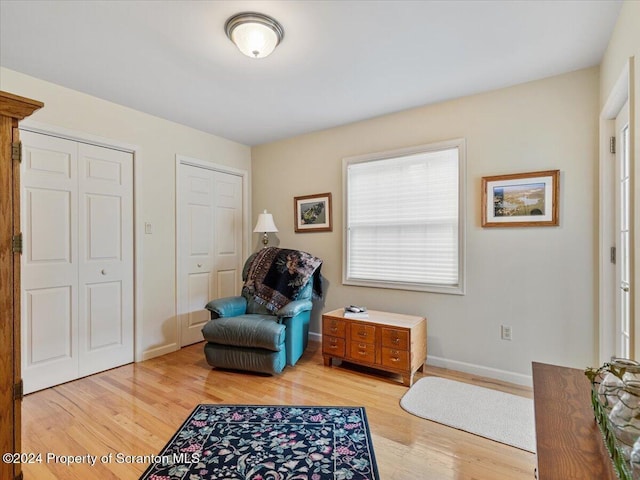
pixel 276 276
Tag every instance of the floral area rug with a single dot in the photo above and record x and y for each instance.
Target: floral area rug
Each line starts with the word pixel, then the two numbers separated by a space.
pixel 225 442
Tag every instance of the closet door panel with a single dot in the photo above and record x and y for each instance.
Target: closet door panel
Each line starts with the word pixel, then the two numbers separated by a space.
pixel 105 219
pixel 228 259
pixel 49 222
pixel 77 260
pixel 209 205
pixel 104 228
pixel 102 300
pixel 51 338
pixel 196 250
pixel 49 261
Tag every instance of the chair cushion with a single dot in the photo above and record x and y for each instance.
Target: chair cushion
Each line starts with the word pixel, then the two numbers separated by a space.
pixel 251 359
pixel 255 307
pixel 254 331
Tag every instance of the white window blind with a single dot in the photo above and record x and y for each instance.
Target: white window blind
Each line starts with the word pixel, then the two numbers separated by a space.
pixel 402 220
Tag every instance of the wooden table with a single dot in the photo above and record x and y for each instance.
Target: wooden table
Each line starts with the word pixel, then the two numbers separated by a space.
pixel 387 341
pixel 568 439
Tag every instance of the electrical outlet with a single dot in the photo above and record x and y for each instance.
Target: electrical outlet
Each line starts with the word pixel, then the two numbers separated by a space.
pixel 505 332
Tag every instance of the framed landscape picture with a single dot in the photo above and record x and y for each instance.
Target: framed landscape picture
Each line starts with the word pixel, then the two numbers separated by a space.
pixel 521 200
pixel 313 213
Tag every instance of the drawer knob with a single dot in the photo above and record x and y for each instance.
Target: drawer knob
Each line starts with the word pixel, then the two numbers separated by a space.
pixel 333 329
pixel 395 340
pixel 362 334
pixel 395 359
pixel 362 352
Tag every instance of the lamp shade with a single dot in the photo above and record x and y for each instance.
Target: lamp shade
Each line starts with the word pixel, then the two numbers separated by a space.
pixel 265 223
pixel 256 35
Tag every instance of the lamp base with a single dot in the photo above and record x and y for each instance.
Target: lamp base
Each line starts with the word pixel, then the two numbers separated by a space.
pixel 265 240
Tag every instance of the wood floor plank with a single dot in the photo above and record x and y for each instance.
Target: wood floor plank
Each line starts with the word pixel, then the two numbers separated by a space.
pixel 134 410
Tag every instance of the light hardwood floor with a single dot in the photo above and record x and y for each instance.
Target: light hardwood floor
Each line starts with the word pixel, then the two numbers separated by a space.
pixel 135 409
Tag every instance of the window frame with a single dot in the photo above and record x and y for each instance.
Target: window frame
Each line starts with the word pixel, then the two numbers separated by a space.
pixel 460 287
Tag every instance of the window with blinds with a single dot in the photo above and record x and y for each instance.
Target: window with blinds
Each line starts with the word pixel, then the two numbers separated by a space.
pixel 403 219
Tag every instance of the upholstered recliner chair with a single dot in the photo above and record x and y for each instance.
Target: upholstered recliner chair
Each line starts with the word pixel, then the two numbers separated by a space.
pixel 267 327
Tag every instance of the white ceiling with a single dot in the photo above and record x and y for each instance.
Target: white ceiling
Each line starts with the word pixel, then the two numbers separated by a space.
pixel 339 62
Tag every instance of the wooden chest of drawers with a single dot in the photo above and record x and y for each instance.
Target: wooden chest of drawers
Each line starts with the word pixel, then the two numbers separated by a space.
pixel 387 341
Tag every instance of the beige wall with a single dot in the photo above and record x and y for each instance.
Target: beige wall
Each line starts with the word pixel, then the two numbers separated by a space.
pixel 158 141
pixel 624 51
pixel 538 280
pixel 623 44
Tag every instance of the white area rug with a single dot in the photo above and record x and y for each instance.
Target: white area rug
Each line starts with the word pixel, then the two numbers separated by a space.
pixel 498 416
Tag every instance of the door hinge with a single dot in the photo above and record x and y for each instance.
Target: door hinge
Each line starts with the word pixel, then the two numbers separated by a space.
pixel 16 151
pixel 18 390
pixel 16 243
pixel 612 255
pixel 612 144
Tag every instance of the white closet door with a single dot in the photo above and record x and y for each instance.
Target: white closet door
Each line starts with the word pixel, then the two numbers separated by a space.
pixel 210 244
pixel 49 261
pixel 228 261
pixel 105 258
pixel 195 261
pixel 77 260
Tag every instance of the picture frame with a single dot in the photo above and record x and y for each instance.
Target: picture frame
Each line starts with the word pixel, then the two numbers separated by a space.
pixel 521 200
pixel 313 213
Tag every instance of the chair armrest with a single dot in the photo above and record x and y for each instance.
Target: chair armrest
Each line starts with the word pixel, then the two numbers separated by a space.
pixel 227 306
pixel 292 309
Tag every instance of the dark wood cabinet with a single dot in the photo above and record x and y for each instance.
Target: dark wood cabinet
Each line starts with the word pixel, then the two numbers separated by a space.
pixel 568 440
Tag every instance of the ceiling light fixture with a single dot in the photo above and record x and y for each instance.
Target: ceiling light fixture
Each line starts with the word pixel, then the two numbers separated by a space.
pixel 256 35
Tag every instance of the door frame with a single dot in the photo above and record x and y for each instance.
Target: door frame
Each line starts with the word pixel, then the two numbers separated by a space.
pixel 246 239
pixel 607 236
pixel 138 230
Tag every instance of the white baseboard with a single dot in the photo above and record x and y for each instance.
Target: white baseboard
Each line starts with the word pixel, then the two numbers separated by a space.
pixel 316 337
pixel 159 351
pixel 504 375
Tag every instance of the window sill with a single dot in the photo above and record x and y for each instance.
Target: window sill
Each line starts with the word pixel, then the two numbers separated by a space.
pixel 416 287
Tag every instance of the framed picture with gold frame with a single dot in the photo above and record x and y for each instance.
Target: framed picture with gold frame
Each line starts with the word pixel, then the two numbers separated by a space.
pixel 313 213
pixel 521 200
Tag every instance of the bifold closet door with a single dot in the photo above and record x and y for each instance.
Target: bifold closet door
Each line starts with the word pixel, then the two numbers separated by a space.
pixel 105 258
pixel 77 260
pixel 49 261
pixel 210 244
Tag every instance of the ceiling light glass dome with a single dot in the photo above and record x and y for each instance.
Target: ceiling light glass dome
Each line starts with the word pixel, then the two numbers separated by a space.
pixel 256 35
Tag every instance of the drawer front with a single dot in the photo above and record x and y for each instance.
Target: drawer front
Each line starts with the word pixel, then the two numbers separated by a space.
pixel 395 358
pixel 363 352
pixel 333 346
pixel 393 338
pixel 363 333
pixel 333 327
